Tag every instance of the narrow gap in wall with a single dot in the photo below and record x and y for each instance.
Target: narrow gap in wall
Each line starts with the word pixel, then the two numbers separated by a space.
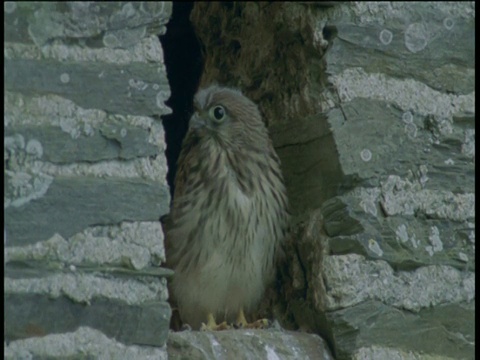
pixel 184 63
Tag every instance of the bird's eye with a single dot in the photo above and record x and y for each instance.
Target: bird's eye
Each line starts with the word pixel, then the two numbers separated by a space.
pixel 218 113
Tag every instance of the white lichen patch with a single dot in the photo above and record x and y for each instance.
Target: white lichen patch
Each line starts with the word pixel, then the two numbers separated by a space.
pixel 468 146
pixel 407 94
pixel 91 343
pixel 49 110
pixel 462 256
pixel 368 198
pixel 382 12
pixel 448 23
pixel 14 142
pixel 380 352
pixel 218 350
pixel 146 168
pixel 417 37
pixel 9 7
pixel 71 126
pixel 76 121
pixel 138 84
pixel 402 197
pixel 471 236
pixel 435 240
pixel 353 279
pixel 161 97
pixel 110 40
pixel 385 37
pixel 34 148
pixel 401 233
pixel 366 155
pixel 411 130
pixel 375 247
pixel 271 354
pixel 414 241
pixel 56 111
pixel 25 187
pixel 82 288
pixel 137 244
pixel 369 207
pixel 407 117
pixel 65 78
pixel 423 170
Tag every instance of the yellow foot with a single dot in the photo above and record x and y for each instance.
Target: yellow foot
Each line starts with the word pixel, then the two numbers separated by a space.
pixel 211 325
pixel 244 324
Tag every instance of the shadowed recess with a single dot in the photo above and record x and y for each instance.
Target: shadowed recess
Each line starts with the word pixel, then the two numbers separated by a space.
pixel 184 62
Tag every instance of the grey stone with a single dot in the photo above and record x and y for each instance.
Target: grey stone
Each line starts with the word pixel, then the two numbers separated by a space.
pixel 330 279
pixel 112 141
pixel 83 284
pixel 429 331
pixel 40 23
pixel 30 315
pixel 351 280
pixel 246 344
pixel 85 201
pixel 407 94
pixel 384 352
pixel 393 148
pixel 29 269
pixel 307 151
pixel 371 107
pixel 83 343
pixel 433 37
pixel 111 87
pixel 85 180
pixel 136 245
pixel 355 223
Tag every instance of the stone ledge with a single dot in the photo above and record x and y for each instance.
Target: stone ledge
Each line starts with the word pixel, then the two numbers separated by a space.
pixel 84 201
pixel 32 315
pixel 84 343
pixel 246 344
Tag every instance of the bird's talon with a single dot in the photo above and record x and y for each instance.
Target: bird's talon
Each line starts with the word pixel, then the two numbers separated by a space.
pixel 212 325
pixel 223 326
pixel 265 323
pixel 186 327
pixel 259 324
pixel 237 325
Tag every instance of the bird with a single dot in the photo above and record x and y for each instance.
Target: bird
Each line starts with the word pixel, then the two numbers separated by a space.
pixel 229 214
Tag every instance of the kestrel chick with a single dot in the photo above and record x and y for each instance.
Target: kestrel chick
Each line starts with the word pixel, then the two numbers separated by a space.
pixel 229 212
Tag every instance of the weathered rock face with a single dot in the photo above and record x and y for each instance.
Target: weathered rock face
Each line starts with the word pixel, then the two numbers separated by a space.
pixel 371 109
pixel 245 345
pixel 84 171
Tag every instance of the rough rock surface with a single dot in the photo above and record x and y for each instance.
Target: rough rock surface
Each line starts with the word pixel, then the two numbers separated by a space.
pixel 246 344
pixel 371 107
pixel 84 171
pixel 84 343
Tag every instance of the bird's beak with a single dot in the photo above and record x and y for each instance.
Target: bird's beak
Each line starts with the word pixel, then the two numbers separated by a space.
pixel 197 122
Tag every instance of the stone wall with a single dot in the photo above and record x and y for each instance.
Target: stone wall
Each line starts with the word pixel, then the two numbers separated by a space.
pixel 371 109
pixel 84 171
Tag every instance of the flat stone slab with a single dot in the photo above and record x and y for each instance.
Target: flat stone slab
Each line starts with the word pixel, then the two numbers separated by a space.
pixel 84 343
pixel 71 204
pixel 246 344
pixel 32 315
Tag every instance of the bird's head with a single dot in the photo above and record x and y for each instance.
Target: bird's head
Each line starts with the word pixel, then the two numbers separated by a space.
pixel 228 117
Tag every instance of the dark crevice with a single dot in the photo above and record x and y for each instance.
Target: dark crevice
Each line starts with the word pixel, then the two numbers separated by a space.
pixel 184 63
